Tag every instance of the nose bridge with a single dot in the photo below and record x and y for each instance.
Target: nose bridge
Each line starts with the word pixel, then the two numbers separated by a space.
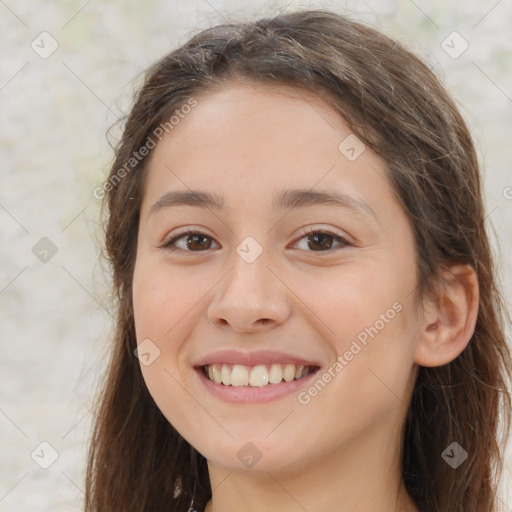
pixel 249 267
pixel 250 295
pixel 250 275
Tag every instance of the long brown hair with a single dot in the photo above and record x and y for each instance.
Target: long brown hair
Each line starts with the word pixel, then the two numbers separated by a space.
pixel 395 104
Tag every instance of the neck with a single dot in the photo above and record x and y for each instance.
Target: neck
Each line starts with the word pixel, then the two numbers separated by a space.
pixel 354 477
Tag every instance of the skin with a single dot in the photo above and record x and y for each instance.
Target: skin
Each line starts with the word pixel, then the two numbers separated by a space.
pixel 341 451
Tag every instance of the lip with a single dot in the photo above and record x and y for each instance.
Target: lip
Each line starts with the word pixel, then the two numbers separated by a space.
pixel 252 358
pixel 250 394
pixel 253 394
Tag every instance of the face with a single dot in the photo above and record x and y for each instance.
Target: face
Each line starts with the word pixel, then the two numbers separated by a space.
pixel 276 308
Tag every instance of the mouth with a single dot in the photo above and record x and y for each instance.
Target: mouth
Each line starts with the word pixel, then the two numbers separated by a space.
pixel 241 377
pixel 261 375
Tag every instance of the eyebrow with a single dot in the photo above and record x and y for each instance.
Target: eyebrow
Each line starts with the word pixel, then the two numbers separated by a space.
pixel 285 199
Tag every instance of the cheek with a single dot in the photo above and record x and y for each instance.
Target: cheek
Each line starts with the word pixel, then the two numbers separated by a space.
pixel 352 298
pixel 368 385
pixel 162 299
pixel 157 308
pixel 162 303
pixel 381 368
pixel 167 303
pixel 369 319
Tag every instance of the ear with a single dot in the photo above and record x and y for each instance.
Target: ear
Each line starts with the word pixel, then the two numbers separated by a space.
pixel 449 322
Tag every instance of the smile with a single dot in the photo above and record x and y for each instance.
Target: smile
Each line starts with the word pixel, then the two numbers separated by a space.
pixel 261 375
pixel 257 376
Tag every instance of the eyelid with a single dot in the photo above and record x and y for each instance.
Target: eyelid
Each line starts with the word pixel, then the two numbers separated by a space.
pixel 308 230
pixel 167 244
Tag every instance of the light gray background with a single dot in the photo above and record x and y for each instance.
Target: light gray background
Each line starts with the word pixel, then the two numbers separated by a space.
pixel 54 113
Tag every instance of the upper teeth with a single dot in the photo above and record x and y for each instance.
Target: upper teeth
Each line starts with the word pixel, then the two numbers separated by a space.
pixel 260 375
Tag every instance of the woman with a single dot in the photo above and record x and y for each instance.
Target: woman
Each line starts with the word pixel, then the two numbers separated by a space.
pixel 308 317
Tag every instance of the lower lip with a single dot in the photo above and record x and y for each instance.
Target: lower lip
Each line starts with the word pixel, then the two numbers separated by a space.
pixel 250 394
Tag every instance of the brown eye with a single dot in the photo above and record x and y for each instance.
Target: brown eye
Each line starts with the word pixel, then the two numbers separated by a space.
pixel 323 241
pixel 198 242
pixel 191 241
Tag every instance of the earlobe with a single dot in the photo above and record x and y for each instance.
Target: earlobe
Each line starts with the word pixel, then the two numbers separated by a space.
pixel 449 323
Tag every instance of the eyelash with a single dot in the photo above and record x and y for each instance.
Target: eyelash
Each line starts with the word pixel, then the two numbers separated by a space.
pixel 168 246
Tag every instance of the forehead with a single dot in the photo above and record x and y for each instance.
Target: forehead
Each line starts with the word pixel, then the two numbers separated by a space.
pixel 254 140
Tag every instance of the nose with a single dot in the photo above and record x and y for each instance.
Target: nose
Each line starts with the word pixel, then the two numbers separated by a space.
pixel 250 298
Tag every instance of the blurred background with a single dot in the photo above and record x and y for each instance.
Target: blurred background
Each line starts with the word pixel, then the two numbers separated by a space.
pixel 68 70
